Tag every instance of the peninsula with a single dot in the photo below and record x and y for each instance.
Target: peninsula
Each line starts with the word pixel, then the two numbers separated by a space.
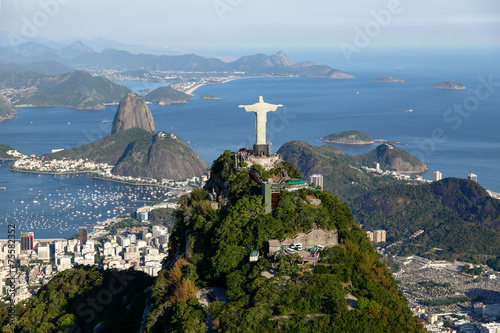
pixel 7 111
pixel 449 85
pixel 8 153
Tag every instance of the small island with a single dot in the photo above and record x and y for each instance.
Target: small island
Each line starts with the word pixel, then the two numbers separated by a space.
pixel 349 138
pixel 167 95
pixel 449 85
pixel 390 79
pixel 210 97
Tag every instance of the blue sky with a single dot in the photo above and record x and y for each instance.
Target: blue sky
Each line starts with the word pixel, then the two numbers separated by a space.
pixel 279 24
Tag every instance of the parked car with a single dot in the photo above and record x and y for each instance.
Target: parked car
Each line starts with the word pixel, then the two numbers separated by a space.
pixel 290 251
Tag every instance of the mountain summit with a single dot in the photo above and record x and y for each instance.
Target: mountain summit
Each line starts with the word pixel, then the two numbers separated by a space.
pixel 282 59
pixel 133 112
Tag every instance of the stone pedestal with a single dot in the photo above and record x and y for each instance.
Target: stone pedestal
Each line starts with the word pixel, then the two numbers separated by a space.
pixel 261 150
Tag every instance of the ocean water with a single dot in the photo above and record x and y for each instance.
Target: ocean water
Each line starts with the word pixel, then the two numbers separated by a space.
pixel 455 132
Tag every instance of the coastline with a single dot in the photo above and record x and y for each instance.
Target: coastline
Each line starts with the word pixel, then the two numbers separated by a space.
pixel 64 106
pixel 93 176
pixel 9 117
pixel 127 183
pixel 51 173
pixel 190 91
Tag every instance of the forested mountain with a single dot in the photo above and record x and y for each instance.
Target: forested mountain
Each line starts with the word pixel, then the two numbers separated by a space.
pixel 458 216
pixel 349 290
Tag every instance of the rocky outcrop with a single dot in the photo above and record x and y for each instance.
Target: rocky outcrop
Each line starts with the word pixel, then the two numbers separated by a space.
pixel 133 112
pixel 281 59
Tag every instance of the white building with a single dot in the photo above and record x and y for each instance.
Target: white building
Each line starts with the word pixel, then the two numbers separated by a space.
pixel 123 241
pixel 143 213
pixel 317 180
pixel 472 176
pixel 379 236
pixel 490 328
pixel 437 176
pixel 43 252
pixel 63 263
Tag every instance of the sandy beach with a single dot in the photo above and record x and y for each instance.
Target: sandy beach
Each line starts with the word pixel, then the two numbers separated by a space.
pixel 190 91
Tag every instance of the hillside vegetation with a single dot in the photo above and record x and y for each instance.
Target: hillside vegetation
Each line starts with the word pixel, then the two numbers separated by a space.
pixel 80 299
pixel 458 216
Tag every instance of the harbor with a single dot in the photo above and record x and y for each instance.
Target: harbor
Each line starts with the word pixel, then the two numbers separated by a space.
pixel 67 202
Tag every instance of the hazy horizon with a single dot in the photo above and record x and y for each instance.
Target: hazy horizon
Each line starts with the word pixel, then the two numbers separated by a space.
pixel 238 24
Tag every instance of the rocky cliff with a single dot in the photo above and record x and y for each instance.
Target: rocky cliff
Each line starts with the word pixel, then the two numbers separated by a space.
pixel 133 112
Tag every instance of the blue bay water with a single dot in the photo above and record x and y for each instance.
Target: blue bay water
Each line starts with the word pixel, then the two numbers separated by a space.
pixel 313 108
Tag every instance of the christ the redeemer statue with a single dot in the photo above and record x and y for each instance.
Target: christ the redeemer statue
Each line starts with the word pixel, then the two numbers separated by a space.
pixel 260 109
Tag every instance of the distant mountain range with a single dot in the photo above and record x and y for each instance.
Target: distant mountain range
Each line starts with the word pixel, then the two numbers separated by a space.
pixel 78 54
